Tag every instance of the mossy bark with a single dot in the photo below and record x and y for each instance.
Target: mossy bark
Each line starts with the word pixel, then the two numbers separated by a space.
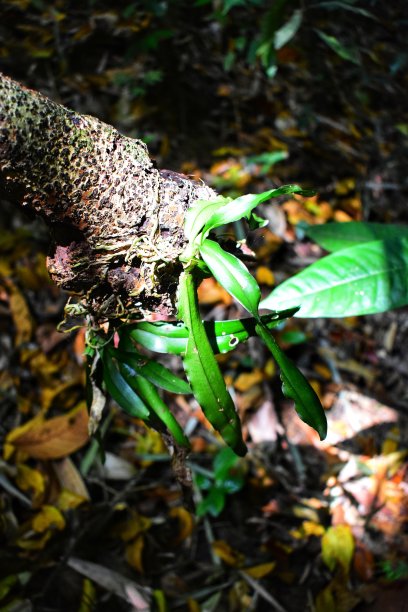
pixel 117 219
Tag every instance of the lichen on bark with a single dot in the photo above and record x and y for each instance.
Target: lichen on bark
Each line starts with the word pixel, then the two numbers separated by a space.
pixel 117 219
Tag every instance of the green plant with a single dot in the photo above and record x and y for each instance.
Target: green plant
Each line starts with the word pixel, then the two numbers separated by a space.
pixel 226 477
pixel 366 273
pixel 132 379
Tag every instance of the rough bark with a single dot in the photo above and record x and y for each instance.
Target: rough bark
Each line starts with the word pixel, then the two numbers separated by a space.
pixel 117 219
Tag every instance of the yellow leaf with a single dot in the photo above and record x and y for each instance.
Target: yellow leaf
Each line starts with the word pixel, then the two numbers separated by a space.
pixel 185 521
pixel 67 500
pixel 47 518
pixel 21 315
pixel 53 438
pixel 29 479
pixel 34 543
pixel 132 527
pixel 134 554
pixel 259 571
pixel 246 380
pixel 338 547
pixel 210 292
pixel 229 555
pixel 265 276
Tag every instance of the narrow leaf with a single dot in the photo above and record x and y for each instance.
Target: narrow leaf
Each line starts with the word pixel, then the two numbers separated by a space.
pixel 198 215
pixel 241 207
pixel 365 279
pixel 288 30
pixel 119 389
pixel 155 372
pixel 224 336
pixel 204 373
pixel 147 391
pixel 337 236
pixel 296 387
pixel 232 274
pixel 350 54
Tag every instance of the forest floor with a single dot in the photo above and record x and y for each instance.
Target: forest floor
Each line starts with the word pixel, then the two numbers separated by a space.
pixel 298 523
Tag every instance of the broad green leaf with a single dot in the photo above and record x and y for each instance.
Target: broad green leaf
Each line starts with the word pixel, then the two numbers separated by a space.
pixel 119 389
pixel 224 336
pixel 288 30
pixel 296 387
pixel 365 279
pixel 203 371
pixel 350 54
pixel 155 372
pixel 147 391
pixel 232 274
pixel 241 207
pixel 336 236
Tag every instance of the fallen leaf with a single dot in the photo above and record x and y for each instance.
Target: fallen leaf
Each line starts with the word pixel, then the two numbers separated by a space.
pixel 47 518
pixel 229 555
pixel 259 571
pixel 52 438
pixel 186 524
pixel 29 479
pixel 338 547
pixel 134 554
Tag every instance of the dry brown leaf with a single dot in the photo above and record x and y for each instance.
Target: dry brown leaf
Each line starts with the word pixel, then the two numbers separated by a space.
pixel 53 438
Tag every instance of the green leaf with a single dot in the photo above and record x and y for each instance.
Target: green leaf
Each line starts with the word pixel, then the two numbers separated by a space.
pixel 268 159
pixel 203 371
pixel 296 387
pixel 228 471
pixel 365 279
pixel 232 274
pixel 212 504
pixel 155 372
pixel 147 391
pixel 350 54
pixel 224 336
pixel 337 236
pixel 119 389
pixel 198 215
pixel 241 207
pixel 159 337
pixel 288 30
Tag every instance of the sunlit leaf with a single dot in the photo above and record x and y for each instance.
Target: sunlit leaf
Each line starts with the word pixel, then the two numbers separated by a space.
pixel 198 215
pixel 368 278
pixel 242 207
pixel 232 274
pixel 337 236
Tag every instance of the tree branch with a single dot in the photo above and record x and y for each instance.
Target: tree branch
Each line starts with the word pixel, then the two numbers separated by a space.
pixel 118 220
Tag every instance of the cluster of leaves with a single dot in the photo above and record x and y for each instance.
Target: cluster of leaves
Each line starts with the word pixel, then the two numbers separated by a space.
pixel 130 378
